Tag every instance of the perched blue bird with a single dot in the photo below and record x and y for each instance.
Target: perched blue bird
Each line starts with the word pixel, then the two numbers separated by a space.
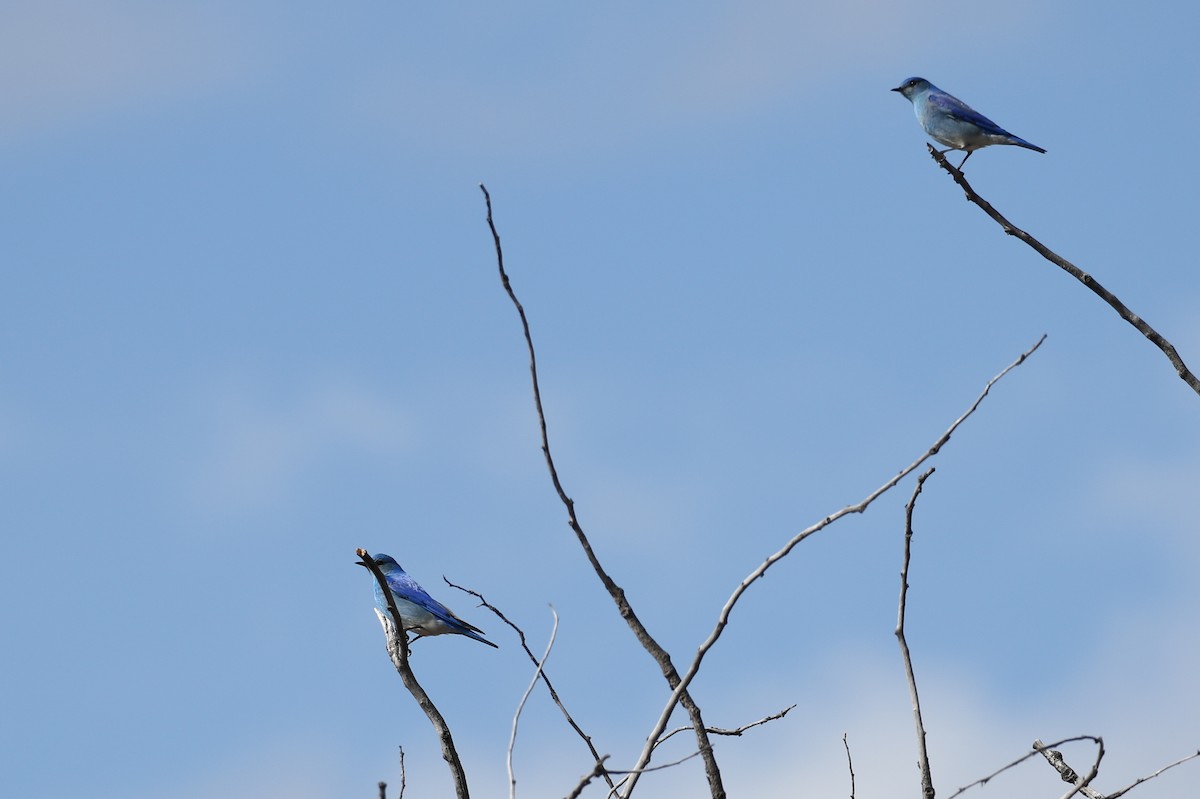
pixel 419 611
pixel 952 122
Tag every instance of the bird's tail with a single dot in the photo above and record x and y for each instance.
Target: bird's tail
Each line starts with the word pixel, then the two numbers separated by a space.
pixel 478 637
pixel 1017 140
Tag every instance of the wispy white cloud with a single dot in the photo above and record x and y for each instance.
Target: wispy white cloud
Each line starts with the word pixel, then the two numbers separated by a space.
pixel 1151 497
pixel 296 767
pixel 972 729
pixel 67 61
pixel 257 450
pixel 622 79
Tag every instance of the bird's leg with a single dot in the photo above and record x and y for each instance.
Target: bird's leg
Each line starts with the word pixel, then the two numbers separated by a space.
pixel 948 149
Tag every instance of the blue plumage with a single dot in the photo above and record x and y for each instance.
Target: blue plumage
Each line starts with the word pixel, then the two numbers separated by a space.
pixel 420 612
pixel 950 121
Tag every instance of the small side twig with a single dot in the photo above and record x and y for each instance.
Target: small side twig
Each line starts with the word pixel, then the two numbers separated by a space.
pixel 383 785
pixel 596 771
pixel 849 762
pixel 630 773
pixel 403 775
pixel 599 768
pixel 545 678
pixel 1071 269
pixel 397 646
pixel 512 740
pixel 736 732
pixel 909 674
pixel 1149 777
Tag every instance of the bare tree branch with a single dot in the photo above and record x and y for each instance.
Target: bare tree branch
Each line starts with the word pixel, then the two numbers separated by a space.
pixel 849 762
pixel 1055 759
pixel 660 655
pixel 1067 773
pixel 403 776
pixel 1015 763
pixel 1149 777
pixel 587 739
pixel 403 780
pixel 922 750
pixel 512 741
pixel 596 771
pixel 629 773
pixel 757 574
pixel 1083 277
pixel 600 769
pixel 397 646
pixel 736 732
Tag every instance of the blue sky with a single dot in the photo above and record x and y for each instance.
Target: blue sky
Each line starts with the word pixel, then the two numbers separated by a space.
pixel 251 321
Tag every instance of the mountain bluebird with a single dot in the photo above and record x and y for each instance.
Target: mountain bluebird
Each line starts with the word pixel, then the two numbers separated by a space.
pixel 952 122
pixel 418 610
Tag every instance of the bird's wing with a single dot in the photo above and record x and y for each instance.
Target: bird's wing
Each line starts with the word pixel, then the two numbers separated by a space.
pixel 405 587
pixel 952 106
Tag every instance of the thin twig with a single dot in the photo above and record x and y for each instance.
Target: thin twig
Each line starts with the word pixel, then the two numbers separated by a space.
pixel 736 732
pixel 648 642
pixel 757 574
pixel 599 769
pixel 1014 764
pixel 403 775
pixel 849 762
pixel 596 771
pixel 512 741
pixel 1148 777
pixel 587 739
pixel 922 750
pixel 397 646
pixel 1083 277
pixel 1068 774
pixel 630 773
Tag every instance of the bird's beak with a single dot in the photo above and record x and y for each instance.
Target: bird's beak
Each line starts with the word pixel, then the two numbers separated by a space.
pixel 899 89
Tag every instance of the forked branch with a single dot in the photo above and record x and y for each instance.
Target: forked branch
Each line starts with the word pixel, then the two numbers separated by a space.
pixel 545 678
pixel 660 655
pixel 1056 760
pixel 757 574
